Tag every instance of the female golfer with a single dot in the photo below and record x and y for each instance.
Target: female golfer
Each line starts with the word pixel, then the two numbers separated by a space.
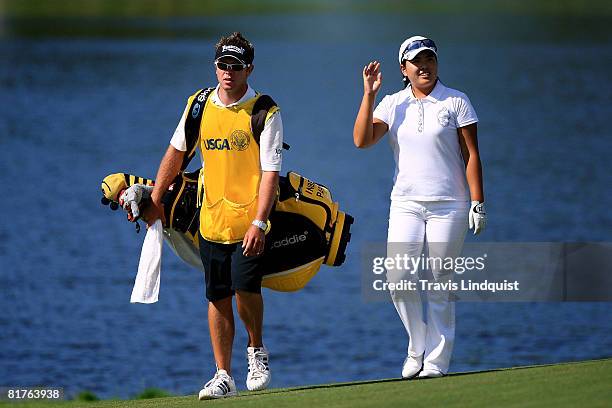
pixel 432 131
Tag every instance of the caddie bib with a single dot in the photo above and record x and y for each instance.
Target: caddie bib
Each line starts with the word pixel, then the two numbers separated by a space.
pixel 231 171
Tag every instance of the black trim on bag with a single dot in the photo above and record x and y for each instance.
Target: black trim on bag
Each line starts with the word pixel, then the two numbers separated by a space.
pixel 345 238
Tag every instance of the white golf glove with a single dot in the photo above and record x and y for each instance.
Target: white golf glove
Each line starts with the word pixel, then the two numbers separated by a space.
pixel 133 196
pixel 477 217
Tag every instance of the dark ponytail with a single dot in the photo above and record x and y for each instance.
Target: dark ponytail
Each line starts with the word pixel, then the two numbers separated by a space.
pixel 406 81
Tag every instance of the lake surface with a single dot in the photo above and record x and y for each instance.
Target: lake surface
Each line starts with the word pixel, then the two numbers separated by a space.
pixel 75 110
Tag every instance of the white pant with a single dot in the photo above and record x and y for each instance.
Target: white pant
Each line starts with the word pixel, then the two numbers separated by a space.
pixel 442 226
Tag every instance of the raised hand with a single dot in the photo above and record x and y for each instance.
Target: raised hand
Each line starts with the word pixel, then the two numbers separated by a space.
pixel 372 77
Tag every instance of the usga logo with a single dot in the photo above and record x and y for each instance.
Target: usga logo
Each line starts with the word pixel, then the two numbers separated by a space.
pixel 290 240
pixel 238 140
pixel 216 144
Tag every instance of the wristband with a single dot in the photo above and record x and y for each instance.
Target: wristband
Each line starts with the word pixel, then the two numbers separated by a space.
pixel 262 225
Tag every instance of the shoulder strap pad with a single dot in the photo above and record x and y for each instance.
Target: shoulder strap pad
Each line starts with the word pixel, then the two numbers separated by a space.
pixel 262 107
pixel 260 111
pixel 192 124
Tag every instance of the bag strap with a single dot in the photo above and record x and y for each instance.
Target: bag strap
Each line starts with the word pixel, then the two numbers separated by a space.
pixel 262 106
pixel 192 124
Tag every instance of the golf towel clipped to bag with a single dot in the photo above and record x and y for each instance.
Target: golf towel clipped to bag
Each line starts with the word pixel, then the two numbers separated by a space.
pixel 307 227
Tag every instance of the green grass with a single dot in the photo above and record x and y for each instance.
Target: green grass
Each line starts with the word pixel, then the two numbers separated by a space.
pixel 587 384
pixel 190 8
pixel 202 19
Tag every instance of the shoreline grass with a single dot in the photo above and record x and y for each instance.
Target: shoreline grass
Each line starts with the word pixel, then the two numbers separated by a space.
pixel 190 8
pixel 585 383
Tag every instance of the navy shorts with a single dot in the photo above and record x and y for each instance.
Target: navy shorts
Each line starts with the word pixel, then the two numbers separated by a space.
pixel 228 270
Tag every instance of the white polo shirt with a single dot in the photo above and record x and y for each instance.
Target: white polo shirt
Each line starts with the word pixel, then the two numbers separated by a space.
pixel 423 136
pixel 270 141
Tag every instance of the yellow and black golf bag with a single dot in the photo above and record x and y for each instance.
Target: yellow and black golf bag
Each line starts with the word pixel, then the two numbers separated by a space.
pixel 307 228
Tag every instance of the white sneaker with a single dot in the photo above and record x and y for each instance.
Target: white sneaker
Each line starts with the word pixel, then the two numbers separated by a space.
pixel 220 386
pixel 259 371
pixel 412 366
pixel 431 373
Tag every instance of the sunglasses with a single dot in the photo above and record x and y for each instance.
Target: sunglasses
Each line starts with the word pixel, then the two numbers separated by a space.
pixel 416 44
pixel 224 66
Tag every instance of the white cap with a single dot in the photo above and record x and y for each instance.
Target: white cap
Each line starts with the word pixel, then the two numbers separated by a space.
pixel 415 44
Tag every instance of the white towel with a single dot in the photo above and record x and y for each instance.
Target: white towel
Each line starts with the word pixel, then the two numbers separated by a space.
pixel 146 286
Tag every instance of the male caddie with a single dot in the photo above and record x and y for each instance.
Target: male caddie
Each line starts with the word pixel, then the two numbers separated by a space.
pixel 238 180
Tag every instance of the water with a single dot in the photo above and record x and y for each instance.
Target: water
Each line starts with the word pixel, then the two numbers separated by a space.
pixel 73 111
